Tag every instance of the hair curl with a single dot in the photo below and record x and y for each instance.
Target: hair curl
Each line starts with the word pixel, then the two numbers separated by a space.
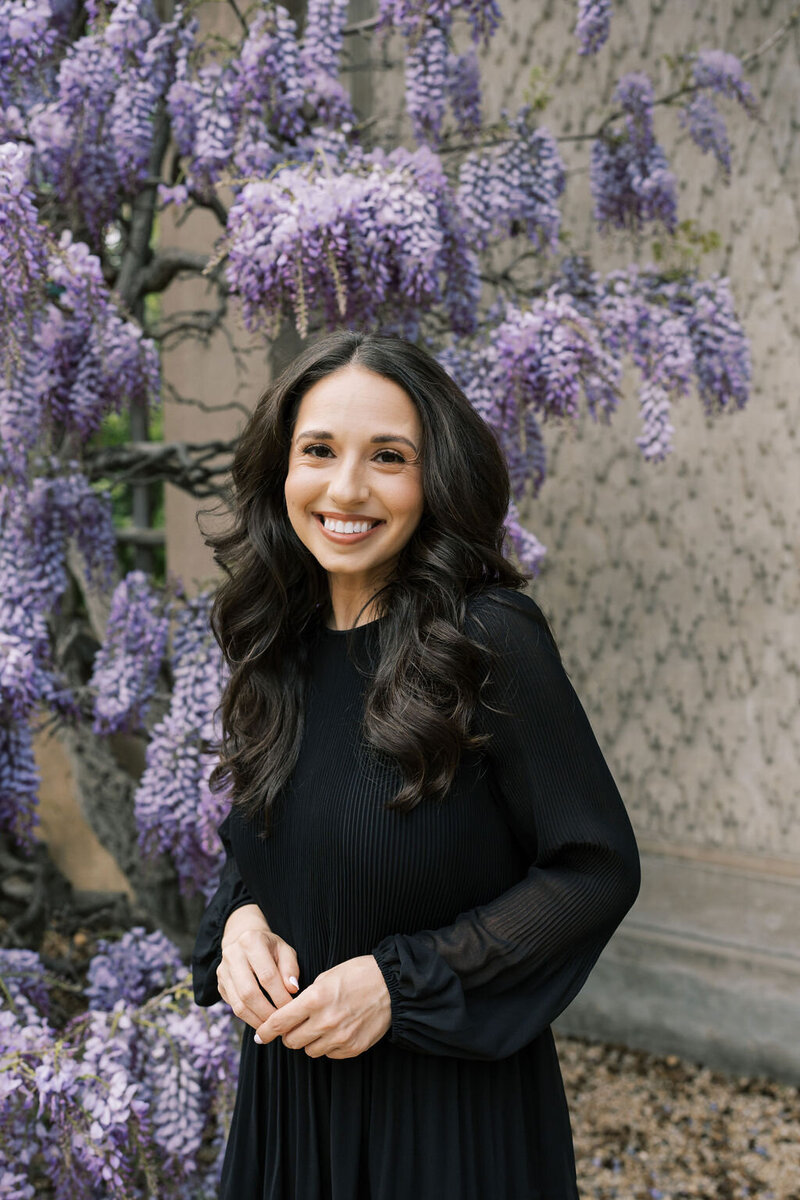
pixel 420 701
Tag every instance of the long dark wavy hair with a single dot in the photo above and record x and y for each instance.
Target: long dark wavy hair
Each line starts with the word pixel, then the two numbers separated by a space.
pixel 420 700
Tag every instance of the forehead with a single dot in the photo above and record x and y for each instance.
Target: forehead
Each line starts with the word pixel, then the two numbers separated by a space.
pixel 353 398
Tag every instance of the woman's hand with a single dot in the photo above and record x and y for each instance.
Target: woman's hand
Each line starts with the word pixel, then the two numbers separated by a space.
pixel 251 955
pixel 341 1014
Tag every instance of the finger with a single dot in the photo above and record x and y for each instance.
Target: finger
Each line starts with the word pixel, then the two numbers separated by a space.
pixel 240 1006
pixel 268 974
pixel 289 967
pixel 301 1035
pixel 242 979
pixel 285 1019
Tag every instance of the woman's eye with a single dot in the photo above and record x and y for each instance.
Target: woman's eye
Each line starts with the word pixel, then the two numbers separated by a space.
pixel 396 456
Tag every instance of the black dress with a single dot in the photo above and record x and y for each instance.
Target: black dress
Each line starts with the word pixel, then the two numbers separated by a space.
pixel 485 913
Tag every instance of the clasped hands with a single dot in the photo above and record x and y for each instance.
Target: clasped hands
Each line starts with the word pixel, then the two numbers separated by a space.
pixel 341 1014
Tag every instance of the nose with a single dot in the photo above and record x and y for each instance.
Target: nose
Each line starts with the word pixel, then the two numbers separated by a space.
pixel 347 487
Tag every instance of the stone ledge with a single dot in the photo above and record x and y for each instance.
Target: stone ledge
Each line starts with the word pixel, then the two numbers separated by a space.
pixel 706 965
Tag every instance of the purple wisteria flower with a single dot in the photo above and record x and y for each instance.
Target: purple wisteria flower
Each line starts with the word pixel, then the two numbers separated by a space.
pixel 676 332
pixel 374 244
pixel 464 91
pixel 81 360
pixel 707 129
pixel 630 179
pixel 38 523
pixel 23 247
pixel 175 809
pixel 411 16
pixel 127 665
pixel 593 25
pixel 716 73
pixel 133 1089
pixel 514 187
pixel 323 35
pixel 23 985
pixel 723 73
pixel 93 128
pixel 132 969
pixel 28 41
pixel 426 78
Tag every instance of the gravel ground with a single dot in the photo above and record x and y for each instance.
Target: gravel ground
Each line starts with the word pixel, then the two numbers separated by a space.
pixel 667 1129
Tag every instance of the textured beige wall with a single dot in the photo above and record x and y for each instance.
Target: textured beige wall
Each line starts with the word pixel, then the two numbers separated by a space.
pixel 674 587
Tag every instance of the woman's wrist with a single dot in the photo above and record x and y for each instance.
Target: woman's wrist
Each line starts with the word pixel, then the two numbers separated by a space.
pixel 246 916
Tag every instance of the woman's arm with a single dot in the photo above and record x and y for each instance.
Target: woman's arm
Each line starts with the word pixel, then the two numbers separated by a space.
pixel 489 983
pixel 231 895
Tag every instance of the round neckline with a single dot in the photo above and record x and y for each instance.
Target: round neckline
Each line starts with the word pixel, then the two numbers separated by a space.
pixel 353 628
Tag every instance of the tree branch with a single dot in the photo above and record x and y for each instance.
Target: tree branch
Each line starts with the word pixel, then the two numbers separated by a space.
pixel 162 269
pixel 144 207
pixel 187 466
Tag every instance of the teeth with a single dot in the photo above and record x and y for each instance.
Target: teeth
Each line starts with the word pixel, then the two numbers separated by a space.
pixel 347 526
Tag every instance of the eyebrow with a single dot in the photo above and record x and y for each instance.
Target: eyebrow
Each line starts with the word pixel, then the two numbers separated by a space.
pixel 379 437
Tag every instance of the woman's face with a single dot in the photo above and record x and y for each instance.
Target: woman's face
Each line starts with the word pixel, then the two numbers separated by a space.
pixel 354 458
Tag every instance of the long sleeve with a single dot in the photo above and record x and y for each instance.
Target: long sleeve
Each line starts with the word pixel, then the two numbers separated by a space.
pixel 207 954
pixel 491 982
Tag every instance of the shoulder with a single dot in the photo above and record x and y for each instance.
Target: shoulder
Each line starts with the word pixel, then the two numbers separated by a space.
pixel 505 619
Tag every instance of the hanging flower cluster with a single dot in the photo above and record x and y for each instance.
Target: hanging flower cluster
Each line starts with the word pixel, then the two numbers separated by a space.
pixel 176 813
pixel 715 73
pixel 593 25
pixel 128 1098
pixel 127 665
pixel 377 243
pixel 630 177
pixel 514 187
pixel 38 524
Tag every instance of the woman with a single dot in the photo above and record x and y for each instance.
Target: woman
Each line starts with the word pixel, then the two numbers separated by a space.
pixel 426 851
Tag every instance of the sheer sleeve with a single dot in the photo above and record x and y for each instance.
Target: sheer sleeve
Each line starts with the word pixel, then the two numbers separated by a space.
pixel 207 954
pixel 492 981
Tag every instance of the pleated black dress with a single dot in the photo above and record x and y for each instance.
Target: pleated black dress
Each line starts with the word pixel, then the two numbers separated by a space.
pixel 485 913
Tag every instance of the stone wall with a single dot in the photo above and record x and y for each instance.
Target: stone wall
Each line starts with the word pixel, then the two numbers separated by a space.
pixel 674 588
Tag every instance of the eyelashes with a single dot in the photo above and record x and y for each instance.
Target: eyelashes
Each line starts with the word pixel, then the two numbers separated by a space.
pixel 396 461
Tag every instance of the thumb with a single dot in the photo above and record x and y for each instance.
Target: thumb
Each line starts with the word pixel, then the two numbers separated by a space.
pixel 288 967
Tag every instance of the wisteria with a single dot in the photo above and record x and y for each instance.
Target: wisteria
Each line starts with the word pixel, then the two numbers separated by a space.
pixel 427 81
pixel 707 128
pixel 126 667
pixel 109 81
pixel 516 185
pixel 715 73
pixel 116 1103
pixel 369 244
pixel 464 91
pixel 38 524
pixel 411 16
pixel 630 178
pixel 175 811
pixel 723 73
pixel 82 360
pixel 593 26
pixel 132 969
pixel 23 254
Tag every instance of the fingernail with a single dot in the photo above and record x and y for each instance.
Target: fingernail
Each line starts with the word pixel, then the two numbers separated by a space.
pixel 256 1038
pixel 293 981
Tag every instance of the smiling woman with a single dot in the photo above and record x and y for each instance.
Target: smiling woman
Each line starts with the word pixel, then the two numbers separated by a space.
pixel 354 506
pixel 425 852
